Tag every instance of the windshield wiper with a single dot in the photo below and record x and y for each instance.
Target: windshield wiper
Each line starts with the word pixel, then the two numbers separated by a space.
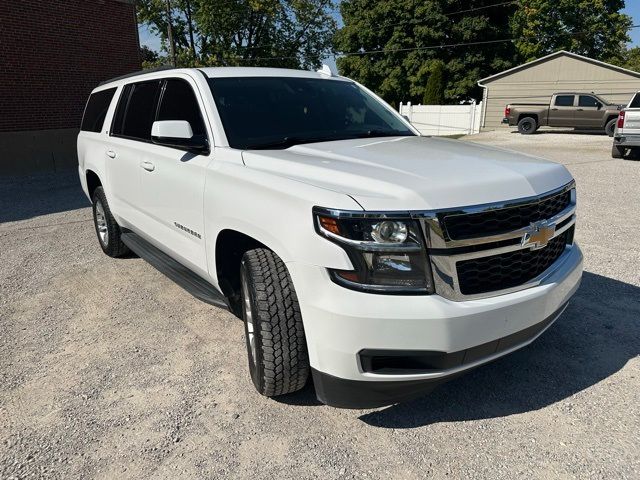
pixel 290 141
pixel 287 142
pixel 382 133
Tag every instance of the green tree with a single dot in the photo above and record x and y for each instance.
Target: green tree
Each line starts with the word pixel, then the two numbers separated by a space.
pixel 630 59
pixel 434 91
pixel 594 28
pixel 407 36
pixel 281 33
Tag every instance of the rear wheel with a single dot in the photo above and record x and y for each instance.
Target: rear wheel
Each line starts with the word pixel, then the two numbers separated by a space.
pixel 610 128
pixel 527 126
pixel 276 345
pixel 107 228
pixel 617 152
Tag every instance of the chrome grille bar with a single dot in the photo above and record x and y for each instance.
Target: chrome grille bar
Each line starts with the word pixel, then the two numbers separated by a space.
pixel 445 253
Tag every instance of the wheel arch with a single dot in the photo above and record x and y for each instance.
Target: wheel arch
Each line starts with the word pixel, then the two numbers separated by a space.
pixel 93 182
pixel 529 115
pixel 609 118
pixel 230 247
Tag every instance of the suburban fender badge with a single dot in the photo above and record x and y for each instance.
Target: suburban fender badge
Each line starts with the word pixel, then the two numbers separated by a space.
pixel 538 235
pixel 188 230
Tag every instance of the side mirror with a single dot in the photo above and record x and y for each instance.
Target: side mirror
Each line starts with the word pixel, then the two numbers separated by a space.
pixel 177 134
pixel 599 105
pixel 406 118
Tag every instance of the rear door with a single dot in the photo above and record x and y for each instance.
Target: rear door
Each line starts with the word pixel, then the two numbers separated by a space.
pixel 173 180
pixel 129 139
pixel 589 112
pixel 562 111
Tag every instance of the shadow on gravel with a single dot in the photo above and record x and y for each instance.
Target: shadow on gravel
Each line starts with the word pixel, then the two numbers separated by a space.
pixel 24 197
pixel 595 337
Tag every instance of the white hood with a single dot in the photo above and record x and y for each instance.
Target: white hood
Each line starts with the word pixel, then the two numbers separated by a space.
pixel 413 173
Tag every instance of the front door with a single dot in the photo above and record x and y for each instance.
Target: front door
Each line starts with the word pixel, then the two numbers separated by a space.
pixel 173 181
pixel 589 112
pixel 562 112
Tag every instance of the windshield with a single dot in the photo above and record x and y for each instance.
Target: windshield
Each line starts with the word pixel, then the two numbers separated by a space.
pixel 278 112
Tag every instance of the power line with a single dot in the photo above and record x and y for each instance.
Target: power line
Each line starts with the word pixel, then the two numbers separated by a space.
pixel 410 49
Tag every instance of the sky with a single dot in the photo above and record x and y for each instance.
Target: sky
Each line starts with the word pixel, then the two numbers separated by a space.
pixel 632 9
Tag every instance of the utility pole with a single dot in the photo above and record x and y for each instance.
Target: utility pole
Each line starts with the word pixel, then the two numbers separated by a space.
pixel 172 46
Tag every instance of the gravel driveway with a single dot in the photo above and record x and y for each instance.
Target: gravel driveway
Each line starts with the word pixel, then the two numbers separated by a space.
pixel 109 370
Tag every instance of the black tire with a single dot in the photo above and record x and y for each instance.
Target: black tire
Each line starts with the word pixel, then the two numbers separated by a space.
pixel 617 152
pixel 278 360
pixel 107 229
pixel 527 126
pixel 610 128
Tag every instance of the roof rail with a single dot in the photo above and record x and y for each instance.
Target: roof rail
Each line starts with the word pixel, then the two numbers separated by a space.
pixel 135 74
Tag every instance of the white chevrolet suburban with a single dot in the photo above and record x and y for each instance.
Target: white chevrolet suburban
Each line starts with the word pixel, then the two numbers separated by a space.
pixel 377 261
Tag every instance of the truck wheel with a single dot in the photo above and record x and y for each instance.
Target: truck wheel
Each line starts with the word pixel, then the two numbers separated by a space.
pixel 276 345
pixel 107 228
pixel 617 152
pixel 610 128
pixel 527 126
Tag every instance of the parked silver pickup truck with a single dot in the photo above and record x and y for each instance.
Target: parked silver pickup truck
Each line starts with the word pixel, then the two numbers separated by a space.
pixel 626 138
pixel 574 110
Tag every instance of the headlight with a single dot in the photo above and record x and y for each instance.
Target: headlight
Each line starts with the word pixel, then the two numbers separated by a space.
pixel 387 251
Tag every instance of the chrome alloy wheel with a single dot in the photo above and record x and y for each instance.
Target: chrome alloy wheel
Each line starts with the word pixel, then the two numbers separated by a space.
pixel 101 224
pixel 248 316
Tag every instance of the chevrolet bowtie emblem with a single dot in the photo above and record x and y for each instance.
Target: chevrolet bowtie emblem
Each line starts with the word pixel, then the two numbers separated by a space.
pixel 538 235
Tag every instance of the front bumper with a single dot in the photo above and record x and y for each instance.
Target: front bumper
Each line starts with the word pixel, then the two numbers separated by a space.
pixel 341 323
pixel 627 141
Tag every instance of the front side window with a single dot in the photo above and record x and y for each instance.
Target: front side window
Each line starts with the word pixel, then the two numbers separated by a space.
pixel 278 112
pixel 179 103
pixel 96 110
pixel 137 115
pixel 564 101
pixel 588 101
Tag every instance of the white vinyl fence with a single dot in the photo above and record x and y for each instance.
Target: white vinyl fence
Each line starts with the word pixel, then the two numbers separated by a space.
pixel 444 119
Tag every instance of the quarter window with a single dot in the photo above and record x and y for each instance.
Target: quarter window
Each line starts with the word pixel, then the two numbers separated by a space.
pixel 564 101
pixel 96 110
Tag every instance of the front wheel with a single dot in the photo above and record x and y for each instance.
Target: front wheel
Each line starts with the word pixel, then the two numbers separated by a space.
pixel 610 128
pixel 527 126
pixel 276 345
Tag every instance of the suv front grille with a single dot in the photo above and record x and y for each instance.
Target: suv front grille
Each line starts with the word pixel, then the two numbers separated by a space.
pixel 486 250
pixel 494 222
pixel 508 270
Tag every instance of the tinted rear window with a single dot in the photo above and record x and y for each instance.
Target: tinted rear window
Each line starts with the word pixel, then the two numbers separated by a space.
pixel 96 110
pixel 635 101
pixel 564 101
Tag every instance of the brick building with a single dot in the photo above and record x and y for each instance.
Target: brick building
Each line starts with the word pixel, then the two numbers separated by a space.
pixel 52 54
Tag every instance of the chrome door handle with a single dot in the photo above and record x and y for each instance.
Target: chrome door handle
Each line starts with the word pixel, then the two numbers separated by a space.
pixel 111 153
pixel 148 166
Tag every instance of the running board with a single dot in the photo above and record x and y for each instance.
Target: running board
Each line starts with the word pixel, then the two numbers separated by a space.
pixel 192 283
